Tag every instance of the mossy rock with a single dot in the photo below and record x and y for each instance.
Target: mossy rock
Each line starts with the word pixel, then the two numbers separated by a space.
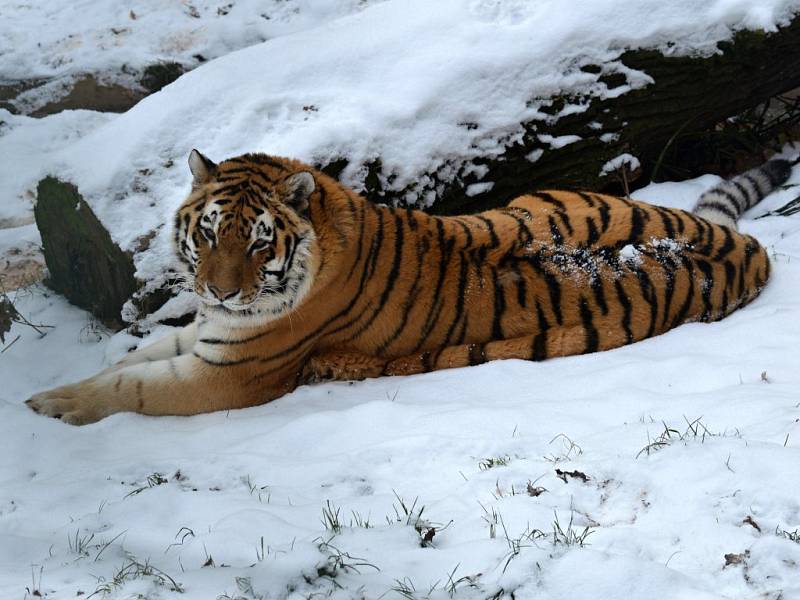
pixel 84 263
pixel 158 75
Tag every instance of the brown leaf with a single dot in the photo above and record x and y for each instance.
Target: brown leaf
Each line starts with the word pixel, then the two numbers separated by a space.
pixel 736 559
pixel 535 490
pixel 750 521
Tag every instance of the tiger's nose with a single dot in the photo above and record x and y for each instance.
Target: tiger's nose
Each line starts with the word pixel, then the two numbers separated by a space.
pixel 222 294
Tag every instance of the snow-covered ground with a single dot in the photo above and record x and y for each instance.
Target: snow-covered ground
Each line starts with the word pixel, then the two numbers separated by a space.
pixel 676 461
pixel 56 42
pixel 233 502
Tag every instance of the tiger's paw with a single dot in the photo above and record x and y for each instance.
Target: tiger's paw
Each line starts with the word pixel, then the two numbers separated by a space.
pixel 341 366
pixel 68 404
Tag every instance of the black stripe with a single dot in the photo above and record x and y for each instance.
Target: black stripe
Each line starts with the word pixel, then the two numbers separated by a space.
pixel 391 278
pixel 666 220
pixel 360 246
pixel 263 159
pixel 437 301
pixel 593 235
pixel 225 363
pixel 550 199
pixel 718 206
pixel 463 333
pixel 555 232
pixel 705 289
pixel 746 194
pixel 650 297
pixel 587 319
pixel 565 219
pixel 626 311
pixel 524 235
pixel 460 294
pixel 586 198
pixel 730 275
pixel 539 346
pixel 410 299
pixel 596 282
pixel 682 313
pixel 740 208
pixel 727 246
pixel 522 285
pixel 495 242
pixel 605 213
pixel 638 217
pixel 554 289
pixel 465 227
pixel 669 266
pixel 499 307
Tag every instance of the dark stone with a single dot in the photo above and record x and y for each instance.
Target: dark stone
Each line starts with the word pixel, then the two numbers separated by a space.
pixel 158 75
pixel 85 264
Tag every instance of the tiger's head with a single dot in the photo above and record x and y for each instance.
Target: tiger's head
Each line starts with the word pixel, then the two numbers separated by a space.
pixel 245 236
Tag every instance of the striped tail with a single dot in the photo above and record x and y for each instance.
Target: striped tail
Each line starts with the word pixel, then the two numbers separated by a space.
pixel 725 203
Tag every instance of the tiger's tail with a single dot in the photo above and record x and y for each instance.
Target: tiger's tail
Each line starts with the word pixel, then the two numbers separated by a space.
pixel 725 203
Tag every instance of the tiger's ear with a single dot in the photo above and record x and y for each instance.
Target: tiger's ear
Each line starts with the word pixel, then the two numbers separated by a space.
pixel 298 189
pixel 203 168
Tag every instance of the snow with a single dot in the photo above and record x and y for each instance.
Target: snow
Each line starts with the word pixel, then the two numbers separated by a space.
pixel 631 254
pixel 351 80
pixel 479 188
pixel 686 442
pixel 560 141
pixel 247 488
pixel 116 41
pixel 615 164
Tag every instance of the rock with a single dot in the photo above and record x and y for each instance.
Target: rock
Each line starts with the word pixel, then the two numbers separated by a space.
pixel 84 263
pixel 158 75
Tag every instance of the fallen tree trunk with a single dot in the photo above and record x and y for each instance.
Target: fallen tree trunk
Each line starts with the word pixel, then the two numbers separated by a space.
pixel 688 95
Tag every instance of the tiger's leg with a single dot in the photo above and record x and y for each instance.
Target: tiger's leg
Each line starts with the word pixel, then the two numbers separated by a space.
pixel 342 366
pixel 553 342
pixel 184 385
pixel 175 344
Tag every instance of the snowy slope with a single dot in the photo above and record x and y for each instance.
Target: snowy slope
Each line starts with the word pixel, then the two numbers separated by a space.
pixel 243 492
pixel 115 41
pixel 424 85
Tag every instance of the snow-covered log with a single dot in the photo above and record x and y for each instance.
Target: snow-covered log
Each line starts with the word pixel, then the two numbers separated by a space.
pixel 568 147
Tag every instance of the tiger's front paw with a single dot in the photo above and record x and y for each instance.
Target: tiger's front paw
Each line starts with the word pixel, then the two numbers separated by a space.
pixel 73 404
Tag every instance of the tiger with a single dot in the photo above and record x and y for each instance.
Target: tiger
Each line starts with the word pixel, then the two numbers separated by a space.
pixel 301 279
